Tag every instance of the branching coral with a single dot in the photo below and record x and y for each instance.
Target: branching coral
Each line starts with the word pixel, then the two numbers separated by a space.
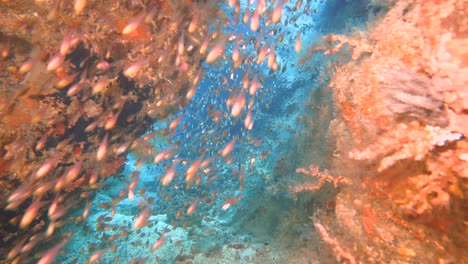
pixel 322 178
pixel 340 253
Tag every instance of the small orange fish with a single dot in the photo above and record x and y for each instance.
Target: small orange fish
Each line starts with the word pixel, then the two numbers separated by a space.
pixel 158 243
pixel 248 122
pixel 230 201
pixel 66 80
pixel 193 24
pixel 142 219
pixel 79 6
pixel 238 104
pixel 254 85
pixel 204 45
pixel 255 20
pixel 257 142
pixel 192 207
pixel 53 207
pixel 169 175
pixel 75 89
pixel 175 123
pixel 96 256
pixel 192 170
pixel 122 148
pixel 132 26
pixel 179 214
pixel 215 52
pixel 232 3
pixel 102 148
pixel 46 167
pixel 271 58
pixel 112 121
pixel 73 172
pixel 103 65
pixel 55 62
pixel 42 189
pixel 68 42
pixel 298 44
pixel 18 196
pixel 298 4
pixel 30 213
pixel 131 195
pixel 16 249
pixel 50 229
pixel 262 54
pixel 86 211
pixel 93 179
pixel 165 154
pixel 132 70
pixel 31 243
pixel 228 148
pixel 50 255
pixel 133 183
pixel 27 65
pixel 246 16
pixel 276 15
pixel 191 92
pixel 235 53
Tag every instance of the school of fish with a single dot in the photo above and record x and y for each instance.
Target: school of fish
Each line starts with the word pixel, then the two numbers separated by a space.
pixel 87 83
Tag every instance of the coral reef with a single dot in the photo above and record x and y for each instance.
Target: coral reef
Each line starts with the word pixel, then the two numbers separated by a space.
pixel 400 126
